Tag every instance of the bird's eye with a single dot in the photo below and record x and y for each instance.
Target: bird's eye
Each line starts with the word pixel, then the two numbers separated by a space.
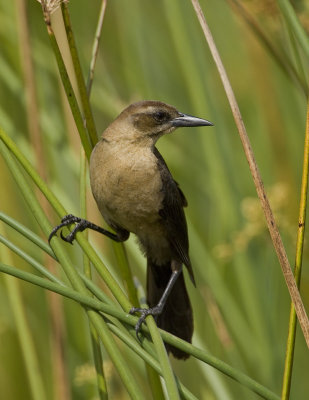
pixel 161 116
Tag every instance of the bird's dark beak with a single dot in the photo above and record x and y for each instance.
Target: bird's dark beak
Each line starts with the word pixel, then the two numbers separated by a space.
pixel 189 120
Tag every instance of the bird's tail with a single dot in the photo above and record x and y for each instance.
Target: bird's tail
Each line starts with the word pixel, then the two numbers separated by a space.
pixel 176 317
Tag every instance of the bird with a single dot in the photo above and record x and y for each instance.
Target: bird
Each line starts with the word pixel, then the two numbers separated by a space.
pixel 136 193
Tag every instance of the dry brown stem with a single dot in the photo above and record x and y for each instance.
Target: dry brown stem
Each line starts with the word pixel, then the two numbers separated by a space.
pixel 273 229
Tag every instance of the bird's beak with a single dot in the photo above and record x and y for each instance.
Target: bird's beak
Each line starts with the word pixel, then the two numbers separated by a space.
pixel 189 120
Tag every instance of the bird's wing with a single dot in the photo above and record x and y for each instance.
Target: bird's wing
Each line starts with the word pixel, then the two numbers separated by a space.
pixel 173 216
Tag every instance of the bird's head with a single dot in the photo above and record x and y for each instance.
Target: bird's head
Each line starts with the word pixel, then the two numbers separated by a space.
pixel 146 121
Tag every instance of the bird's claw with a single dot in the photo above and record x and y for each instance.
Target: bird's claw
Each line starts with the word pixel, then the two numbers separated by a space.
pixel 69 238
pixel 68 220
pixel 154 311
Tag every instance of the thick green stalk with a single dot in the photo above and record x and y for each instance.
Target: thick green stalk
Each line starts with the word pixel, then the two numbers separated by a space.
pixel 125 272
pixel 84 299
pixel 83 206
pixel 287 376
pixel 168 374
pixel 151 361
pixel 170 381
pixel 96 348
pixel 153 379
pixel 39 267
pixel 27 233
pixel 68 87
pixel 79 76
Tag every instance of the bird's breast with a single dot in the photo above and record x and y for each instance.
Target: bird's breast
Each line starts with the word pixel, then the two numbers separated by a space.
pixel 127 186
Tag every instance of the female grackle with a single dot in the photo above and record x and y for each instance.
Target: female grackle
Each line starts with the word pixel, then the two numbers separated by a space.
pixel 135 192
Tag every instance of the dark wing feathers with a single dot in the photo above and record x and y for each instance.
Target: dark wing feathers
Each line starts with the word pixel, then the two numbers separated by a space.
pixel 173 215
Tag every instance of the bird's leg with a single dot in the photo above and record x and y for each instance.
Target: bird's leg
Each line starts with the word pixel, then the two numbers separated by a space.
pixel 156 310
pixel 81 225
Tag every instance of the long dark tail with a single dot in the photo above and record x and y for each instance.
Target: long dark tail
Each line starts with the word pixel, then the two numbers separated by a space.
pixel 176 317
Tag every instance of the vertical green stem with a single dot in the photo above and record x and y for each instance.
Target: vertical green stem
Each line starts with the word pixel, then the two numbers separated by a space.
pixel 167 372
pixel 95 47
pixel 95 341
pixel 287 376
pixel 83 207
pixel 79 77
pixel 125 272
pixel 67 86
pixel 154 382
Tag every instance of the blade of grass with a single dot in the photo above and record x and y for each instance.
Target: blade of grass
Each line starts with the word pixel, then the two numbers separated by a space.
pixel 167 371
pixel 98 293
pixel 95 47
pixel 95 342
pixel 153 379
pixel 27 233
pixel 273 229
pixel 287 376
pixel 90 125
pixel 125 272
pixel 67 84
pixel 39 267
pixel 185 393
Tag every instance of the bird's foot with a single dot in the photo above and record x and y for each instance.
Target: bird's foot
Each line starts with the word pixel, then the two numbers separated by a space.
pixel 154 311
pixel 81 225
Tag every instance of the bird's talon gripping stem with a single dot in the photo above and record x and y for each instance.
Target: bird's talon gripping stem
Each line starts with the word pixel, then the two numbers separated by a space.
pixel 154 311
pixel 68 238
pixel 81 224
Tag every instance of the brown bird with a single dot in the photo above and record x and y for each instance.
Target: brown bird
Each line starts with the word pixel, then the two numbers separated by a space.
pixel 135 192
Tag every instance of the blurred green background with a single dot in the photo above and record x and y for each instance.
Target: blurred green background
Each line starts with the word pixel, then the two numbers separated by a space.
pixel 156 50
